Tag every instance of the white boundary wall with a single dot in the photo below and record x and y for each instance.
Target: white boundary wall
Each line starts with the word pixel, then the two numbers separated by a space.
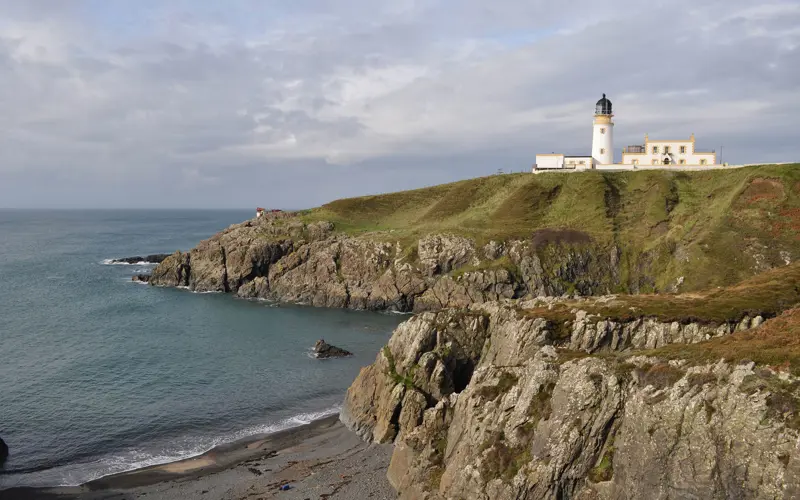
pixel 616 167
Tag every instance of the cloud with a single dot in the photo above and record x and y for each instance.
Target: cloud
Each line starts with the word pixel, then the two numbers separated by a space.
pixel 300 95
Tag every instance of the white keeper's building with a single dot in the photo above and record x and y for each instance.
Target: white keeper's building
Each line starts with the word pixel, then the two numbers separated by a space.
pixel 651 154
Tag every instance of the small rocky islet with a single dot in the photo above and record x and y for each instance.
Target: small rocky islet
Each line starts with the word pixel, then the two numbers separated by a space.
pixel 323 350
pixel 599 336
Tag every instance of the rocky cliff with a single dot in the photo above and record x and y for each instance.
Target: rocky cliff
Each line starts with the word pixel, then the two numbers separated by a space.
pixel 593 399
pixel 284 258
pixel 511 236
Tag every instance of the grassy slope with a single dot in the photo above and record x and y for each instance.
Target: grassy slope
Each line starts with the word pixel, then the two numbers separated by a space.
pixel 774 294
pixel 705 226
pixel 775 343
pixel 767 294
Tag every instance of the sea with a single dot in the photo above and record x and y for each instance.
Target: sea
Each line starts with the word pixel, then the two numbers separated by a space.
pixel 101 375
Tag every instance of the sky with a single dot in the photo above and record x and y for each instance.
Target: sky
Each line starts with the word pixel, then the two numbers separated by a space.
pixel 293 103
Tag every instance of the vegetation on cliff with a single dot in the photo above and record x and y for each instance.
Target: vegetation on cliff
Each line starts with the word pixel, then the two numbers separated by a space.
pixel 766 294
pixel 711 228
pixel 513 236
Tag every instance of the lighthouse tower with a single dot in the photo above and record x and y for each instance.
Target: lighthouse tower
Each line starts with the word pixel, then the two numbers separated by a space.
pixel 603 134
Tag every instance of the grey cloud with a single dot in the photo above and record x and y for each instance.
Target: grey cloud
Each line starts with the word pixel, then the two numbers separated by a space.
pixel 340 98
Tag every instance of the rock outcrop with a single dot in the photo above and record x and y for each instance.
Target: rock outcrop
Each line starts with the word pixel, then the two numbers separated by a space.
pixel 493 402
pixel 288 260
pixel 3 451
pixel 324 350
pixel 147 259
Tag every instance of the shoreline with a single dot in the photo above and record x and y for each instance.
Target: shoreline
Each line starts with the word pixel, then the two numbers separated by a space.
pixel 261 462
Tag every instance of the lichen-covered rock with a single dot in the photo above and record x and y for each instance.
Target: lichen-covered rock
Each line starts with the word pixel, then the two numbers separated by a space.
pixel 480 404
pixel 440 254
pixel 591 334
pixel 174 270
pixel 280 257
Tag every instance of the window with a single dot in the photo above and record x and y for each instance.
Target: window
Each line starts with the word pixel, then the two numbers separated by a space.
pixel 602 151
pixel 666 150
pixel 582 162
pixel 655 151
pixel 602 130
pixel 683 149
pixel 702 162
pixel 682 162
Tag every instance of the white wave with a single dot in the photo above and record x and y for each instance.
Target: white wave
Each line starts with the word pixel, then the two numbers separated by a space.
pixel 133 459
pixel 195 291
pixel 287 423
pixel 113 262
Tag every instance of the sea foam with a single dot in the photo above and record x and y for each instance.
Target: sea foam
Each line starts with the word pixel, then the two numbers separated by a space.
pixel 183 448
pixel 113 262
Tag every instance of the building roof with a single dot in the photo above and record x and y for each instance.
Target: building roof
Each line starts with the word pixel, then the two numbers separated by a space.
pixel 577 156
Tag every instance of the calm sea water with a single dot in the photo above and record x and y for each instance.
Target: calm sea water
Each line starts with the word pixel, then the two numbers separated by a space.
pixel 101 375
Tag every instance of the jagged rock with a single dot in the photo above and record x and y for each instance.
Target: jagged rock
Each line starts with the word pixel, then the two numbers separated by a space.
pixel 175 271
pixel 3 451
pixel 149 259
pixel 284 259
pixel 324 350
pixel 479 405
pixel 440 254
pixel 142 278
pixel 493 250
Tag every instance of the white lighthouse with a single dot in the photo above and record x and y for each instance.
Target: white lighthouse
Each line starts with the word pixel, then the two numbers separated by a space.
pixel 649 155
pixel 603 133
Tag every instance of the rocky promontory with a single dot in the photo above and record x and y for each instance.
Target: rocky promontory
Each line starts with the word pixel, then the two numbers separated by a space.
pixel 507 237
pixel 289 260
pixel 607 398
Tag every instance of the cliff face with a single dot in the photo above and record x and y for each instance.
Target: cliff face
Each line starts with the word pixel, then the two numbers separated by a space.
pixel 286 259
pixel 509 236
pixel 492 403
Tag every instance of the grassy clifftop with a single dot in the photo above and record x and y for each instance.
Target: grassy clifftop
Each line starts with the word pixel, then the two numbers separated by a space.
pixel 710 228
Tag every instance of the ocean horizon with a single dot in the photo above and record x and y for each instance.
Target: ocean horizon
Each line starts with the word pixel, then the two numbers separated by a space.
pixel 102 375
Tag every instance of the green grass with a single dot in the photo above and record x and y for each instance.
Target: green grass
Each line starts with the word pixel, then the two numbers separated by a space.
pixel 703 226
pixel 766 294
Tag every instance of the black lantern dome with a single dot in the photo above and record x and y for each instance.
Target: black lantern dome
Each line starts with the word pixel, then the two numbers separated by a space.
pixel 603 106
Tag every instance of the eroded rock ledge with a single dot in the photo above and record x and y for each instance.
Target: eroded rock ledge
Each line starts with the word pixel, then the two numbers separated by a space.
pixel 282 258
pixel 500 402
